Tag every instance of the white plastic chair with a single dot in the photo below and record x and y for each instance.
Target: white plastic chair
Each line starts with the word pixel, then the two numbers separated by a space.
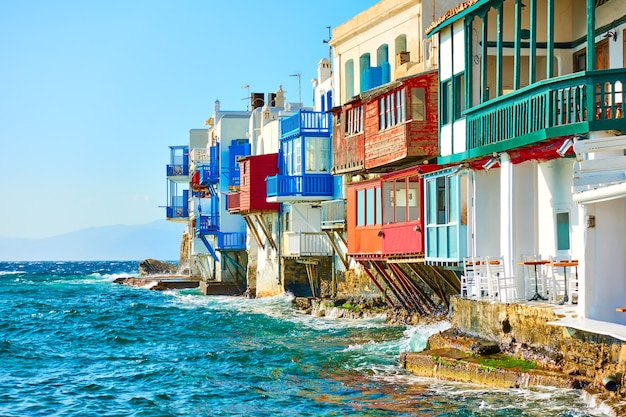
pixel 504 286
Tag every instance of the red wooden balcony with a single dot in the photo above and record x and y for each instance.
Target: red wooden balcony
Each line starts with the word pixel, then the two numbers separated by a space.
pixel 252 195
pixel 389 126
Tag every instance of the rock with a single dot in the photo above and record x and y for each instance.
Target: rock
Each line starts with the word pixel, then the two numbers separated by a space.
pixel 153 267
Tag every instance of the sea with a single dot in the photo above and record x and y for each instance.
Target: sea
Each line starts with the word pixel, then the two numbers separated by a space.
pixel 74 343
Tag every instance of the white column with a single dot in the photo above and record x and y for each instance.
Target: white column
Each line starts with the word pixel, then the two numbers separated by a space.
pixel 506 212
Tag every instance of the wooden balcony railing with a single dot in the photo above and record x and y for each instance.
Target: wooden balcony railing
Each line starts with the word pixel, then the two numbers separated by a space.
pixel 310 185
pixel 333 214
pixel 305 121
pixel 306 244
pixel 231 241
pixel 207 224
pixel 574 103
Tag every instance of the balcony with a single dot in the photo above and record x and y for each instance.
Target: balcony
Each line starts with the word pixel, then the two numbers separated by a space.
pixel 176 213
pixel 205 175
pixel 231 241
pixel 296 244
pixel 334 214
pixel 207 225
pixel 177 170
pixel 233 202
pixel 200 156
pixel 568 105
pixel 305 122
pixel 310 187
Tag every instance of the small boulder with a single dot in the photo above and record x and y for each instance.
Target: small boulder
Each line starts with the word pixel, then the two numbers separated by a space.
pixel 153 267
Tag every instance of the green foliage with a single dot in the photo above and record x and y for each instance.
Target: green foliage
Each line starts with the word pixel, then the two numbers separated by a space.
pixel 506 362
pixel 352 307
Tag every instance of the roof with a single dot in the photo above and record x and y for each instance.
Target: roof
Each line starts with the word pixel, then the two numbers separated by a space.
pixel 456 12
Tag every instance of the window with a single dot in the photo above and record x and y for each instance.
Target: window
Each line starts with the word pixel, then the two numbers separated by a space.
pixel 562 231
pixel 391 109
pixel 364 70
pixel 287 222
pixel 369 206
pixel 292 157
pixel 317 154
pixel 446 102
pixel 459 94
pixel 418 105
pixel 360 208
pixel 354 120
pixel 349 76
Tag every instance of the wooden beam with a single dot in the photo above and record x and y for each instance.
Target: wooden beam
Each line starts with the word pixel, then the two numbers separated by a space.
pixel 344 259
pixel 266 231
pixel 255 233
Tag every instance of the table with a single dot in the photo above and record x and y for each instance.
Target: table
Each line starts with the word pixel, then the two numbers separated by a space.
pixel 536 296
pixel 565 265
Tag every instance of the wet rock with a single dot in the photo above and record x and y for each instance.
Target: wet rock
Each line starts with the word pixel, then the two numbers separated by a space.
pixel 149 267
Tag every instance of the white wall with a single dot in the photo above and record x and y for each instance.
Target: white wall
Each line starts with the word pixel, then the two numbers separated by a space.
pixel 267 282
pixel 605 262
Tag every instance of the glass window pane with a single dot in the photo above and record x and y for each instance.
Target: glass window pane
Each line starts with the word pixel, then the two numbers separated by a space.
pixel 453 196
pixel 401 201
pixel 370 206
pixel 379 212
pixel 360 207
pixel 388 199
pixel 413 199
pixel 418 112
pixel 431 190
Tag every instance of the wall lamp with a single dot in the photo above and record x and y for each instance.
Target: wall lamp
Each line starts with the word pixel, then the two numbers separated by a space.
pixel 565 147
pixel 495 159
pixel 611 34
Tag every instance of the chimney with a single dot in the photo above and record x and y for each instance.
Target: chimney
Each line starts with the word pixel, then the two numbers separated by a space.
pixel 256 100
pixel 279 100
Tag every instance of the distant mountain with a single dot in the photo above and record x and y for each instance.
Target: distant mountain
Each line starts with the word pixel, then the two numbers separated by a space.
pixel 159 240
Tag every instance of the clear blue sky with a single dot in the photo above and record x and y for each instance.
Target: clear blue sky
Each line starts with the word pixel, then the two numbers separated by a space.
pixel 93 92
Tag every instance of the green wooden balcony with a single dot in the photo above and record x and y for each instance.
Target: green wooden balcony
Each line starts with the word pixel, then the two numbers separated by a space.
pixel 567 105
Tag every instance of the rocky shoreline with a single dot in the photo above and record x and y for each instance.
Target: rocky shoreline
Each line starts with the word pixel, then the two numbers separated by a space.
pixel 512 347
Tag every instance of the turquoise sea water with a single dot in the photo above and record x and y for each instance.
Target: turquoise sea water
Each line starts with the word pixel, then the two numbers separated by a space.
pixel 73 343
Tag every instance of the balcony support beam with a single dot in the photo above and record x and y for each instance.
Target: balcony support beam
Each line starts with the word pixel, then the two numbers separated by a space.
pixel 266 231
pixel 342 257
pixel 255 233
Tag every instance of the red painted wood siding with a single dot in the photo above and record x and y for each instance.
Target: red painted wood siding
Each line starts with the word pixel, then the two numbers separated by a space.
pixel 412 140
pixel 253 190
pixel 348 151
pixel 361 239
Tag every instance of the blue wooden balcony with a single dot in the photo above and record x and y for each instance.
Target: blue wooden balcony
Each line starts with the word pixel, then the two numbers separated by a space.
pixel 305 122
pixel 231 241
pixel 300 187
pixel 176 213
pixel 567 105
pixel 177 170
pixel 208 174
pixel 207 225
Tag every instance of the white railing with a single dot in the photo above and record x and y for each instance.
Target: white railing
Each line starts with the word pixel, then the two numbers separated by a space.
pixel 306 244
pixel 199 156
